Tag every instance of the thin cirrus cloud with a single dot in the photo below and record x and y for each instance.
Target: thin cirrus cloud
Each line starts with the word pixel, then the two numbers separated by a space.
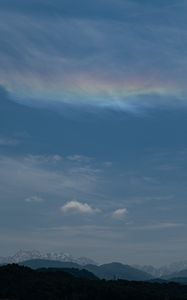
pixel 96 62
pixel 36 175
pixel 78 207
pixel 34 199
pixel 120 214
pixel 8 142
pixel 159 226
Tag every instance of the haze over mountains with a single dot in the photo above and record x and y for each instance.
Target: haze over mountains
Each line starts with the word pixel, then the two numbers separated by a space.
pixel 114 270
pixel 165 270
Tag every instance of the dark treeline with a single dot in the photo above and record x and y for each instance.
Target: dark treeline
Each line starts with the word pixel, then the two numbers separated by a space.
pixel 21 283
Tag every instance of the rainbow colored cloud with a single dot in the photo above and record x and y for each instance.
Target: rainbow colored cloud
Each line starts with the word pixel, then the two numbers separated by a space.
pixel 86 89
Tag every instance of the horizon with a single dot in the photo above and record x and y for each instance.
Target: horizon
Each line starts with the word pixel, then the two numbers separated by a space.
pixel 93 139
pixel 76 258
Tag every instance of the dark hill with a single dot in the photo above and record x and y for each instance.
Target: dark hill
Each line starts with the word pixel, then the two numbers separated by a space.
pixel 22 283
pixel 44 263
pixel 74 272
pixel 106 271
pixel 118 271
pixel 181 274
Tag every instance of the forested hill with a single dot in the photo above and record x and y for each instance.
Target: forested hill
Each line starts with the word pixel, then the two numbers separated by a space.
pixel 106 271
pixel 22 283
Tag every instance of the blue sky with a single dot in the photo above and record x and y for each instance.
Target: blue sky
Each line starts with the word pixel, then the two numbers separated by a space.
pixel 93 149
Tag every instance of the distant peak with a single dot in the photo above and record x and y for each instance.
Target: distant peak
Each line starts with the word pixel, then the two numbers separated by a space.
pixel 23 255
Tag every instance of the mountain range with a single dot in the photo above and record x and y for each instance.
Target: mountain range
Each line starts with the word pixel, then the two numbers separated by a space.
pixel 109 271
pixel 164 271
pixel 23 255
pixel 39 260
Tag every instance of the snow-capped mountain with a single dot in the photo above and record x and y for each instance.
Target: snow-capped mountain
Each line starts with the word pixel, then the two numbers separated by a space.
pixel 149 269
pixel 173 268
pixel 164 270
pixel 23 255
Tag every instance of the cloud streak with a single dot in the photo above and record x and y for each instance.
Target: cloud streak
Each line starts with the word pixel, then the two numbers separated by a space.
pixel 34 199
pixel 32 174
pixel 160 226
pixel 8 142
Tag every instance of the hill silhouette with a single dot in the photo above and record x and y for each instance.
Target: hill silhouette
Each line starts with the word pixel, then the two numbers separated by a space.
pixel 106 271
pixel 181 274
pixel 22 283
pixel 118 271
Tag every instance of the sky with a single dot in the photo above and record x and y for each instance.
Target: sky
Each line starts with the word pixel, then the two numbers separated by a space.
pixel 93 138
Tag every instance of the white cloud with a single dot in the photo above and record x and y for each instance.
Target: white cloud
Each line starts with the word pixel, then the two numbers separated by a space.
pixel 78 207
pixel 34 199
pixel 119 214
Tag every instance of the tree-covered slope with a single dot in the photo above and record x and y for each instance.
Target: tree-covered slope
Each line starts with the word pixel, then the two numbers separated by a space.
pixel 22 283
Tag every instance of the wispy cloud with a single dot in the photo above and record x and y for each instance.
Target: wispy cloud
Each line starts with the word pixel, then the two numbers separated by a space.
pixel 32 174
pixel 34 199
pixel 159 226
pixel 79 158
pixel 105 61
pixel 9 142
